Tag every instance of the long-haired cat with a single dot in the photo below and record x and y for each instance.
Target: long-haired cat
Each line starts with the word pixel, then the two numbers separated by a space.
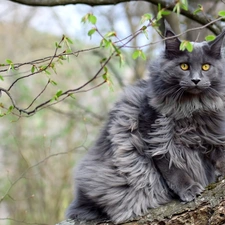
pixel 164 139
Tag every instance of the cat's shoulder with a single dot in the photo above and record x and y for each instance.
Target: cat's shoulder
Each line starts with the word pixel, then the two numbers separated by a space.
pixel 128 107
pixel 134 94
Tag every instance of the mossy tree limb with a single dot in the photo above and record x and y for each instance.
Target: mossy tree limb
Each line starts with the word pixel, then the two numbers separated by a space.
pixel 209 208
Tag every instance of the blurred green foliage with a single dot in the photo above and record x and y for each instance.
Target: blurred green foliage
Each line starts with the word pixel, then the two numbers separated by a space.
pixel 38 153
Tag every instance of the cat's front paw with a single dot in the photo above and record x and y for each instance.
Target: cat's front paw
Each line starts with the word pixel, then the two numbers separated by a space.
pixel 191 192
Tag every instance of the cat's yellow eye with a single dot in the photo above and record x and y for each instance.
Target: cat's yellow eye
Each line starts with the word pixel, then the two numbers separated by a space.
pixel 184 66
pixel 205 66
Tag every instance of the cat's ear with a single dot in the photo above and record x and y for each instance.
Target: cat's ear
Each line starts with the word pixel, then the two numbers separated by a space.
pixel 172 44
pixel 216 45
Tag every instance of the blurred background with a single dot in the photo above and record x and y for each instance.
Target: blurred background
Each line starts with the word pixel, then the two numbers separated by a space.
pixel 38 153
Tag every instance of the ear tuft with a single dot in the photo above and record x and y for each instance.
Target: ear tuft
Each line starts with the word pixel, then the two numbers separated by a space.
pixel 172 44
pixel 216 45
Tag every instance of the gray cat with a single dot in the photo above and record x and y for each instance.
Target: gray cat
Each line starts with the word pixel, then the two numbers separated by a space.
pixel 164 139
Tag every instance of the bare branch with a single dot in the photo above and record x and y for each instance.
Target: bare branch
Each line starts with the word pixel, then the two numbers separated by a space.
pixel 122 43
pixel 45 87
pixel 200 18
pixel 67 2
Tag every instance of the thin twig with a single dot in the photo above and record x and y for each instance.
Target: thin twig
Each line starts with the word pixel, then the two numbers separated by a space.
pixel 67 93
pixel 45 87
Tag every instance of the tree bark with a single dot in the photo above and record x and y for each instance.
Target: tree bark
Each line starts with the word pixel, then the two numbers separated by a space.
pixel 207 209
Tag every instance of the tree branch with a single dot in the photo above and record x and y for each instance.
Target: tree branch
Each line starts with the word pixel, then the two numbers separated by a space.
pixel 59 97
pixel 68 2
pixel 206 209
pixel 200 17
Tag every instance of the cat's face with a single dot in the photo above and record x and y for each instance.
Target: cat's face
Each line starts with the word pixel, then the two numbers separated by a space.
pixel 199 72
pixel 183 83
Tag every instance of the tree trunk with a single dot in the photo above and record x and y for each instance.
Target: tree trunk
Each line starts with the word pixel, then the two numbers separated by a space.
pixel 207 209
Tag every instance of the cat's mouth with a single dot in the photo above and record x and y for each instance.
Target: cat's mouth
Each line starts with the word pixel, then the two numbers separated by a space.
pixel 195 90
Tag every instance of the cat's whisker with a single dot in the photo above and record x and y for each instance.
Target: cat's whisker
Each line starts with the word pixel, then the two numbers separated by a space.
pixel 181 94
pixel 214 92
pixel 178 94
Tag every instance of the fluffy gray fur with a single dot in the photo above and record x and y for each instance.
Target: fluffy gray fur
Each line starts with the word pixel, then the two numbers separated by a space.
pixel 164 139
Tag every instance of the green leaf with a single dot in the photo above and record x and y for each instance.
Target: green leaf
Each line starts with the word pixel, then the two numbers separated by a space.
pixel 186 45
pixel 105 43
pixel 189 46
pixel 33 69
pixel 145 17
pixel 159 15
pixel 159 7
pixel 9 61
pixel 143 56
pixel 62 57
pixel 42 68
pixel 10 109
pixel 57 45
pixel 199 9
pixel 210 38
pixel 183 45
pixel 138 53
pixel 177 8
pixel 103 60
pixel 11 65
pixel 165 12
pixel 221 13
pixel 184 5
pixel 84 19
pixel 53 67
pixel 60 61
pixel 69 40
pixel 1 78
pixel 104 76
pixel 92 19
pixel 72 96
pixel 106 69
pixel 162 12
pixel 47 72
pixel 145 33
pixel 111 34
pixel 117 50
pixel 107 78
pixel 91 32
pixel 122 61
pixel 68 51
pixel 53 82
pixel 2 114
pixel 59 93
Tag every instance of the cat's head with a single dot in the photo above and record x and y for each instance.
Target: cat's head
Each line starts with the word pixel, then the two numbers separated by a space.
pixel 197 71
pixel 184 76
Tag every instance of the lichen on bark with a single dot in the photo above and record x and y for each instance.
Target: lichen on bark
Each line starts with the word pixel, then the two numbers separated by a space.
pixel 209 208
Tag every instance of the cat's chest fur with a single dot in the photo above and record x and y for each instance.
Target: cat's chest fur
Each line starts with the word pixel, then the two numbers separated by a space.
pixel 192 126
pixel 188 142
pixel 198 132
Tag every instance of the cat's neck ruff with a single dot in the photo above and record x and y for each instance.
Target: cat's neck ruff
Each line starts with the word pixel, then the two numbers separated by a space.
pixel 186 108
